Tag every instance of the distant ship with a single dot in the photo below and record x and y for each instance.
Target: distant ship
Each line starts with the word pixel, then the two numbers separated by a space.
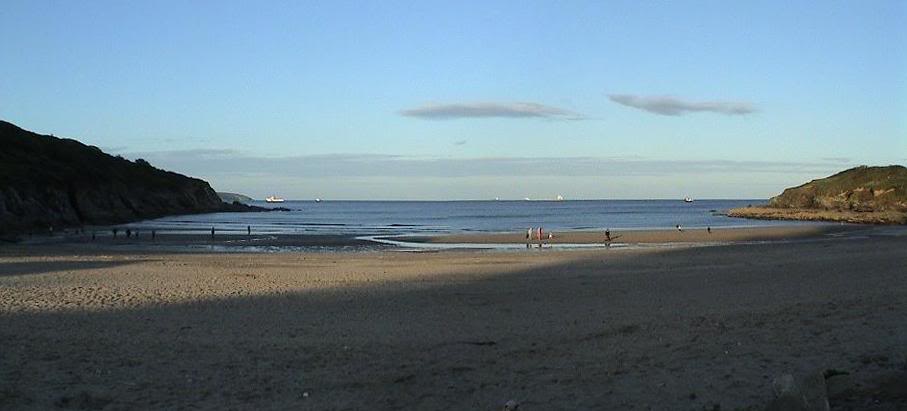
pixel 317 200
pixel 274 199
pixel 688 200
pixel 559 198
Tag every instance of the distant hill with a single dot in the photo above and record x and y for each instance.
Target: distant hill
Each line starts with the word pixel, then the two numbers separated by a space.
pixel 876 195
pixel 857 189
pixel 48 181
pixel 234 198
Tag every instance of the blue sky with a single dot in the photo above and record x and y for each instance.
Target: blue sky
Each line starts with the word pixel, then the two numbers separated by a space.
pixel 468 100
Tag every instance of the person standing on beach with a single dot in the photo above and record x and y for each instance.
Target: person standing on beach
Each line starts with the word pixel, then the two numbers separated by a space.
pixel 608 235
pixel 248 230
pixel 528 237
pixel 709 229
pixel 539 236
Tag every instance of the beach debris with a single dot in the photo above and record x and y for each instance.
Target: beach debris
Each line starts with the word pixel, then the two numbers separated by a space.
pixel 305 394
pixel 404 378
pixel 511 405
pixel 783 384
pixel 84 400
pixel 807 393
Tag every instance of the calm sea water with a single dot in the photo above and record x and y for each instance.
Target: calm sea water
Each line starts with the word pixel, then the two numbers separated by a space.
pixel 438 217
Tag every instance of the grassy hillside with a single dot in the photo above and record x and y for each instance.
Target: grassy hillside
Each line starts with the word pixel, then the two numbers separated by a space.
pixel 867 195
pixel 860 189
pixel 231 198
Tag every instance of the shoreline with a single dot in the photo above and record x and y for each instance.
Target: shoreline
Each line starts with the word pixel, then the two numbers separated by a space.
pixel 803 214
pixel 267 243
pixel 662 236
pixel 192 243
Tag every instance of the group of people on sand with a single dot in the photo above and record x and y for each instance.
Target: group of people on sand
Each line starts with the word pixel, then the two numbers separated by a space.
pixel 538 234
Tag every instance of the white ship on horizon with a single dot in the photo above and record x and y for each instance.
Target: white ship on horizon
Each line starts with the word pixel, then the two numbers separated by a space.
pixel 274 199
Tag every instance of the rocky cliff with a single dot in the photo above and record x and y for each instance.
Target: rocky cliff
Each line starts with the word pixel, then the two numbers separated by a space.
pixel 56 182
pixel 861 189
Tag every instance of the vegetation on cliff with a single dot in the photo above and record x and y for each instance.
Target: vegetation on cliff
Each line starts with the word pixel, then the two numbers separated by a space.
pixel 858 189
pixel 230 198
pixel 47 181
pixel 876 195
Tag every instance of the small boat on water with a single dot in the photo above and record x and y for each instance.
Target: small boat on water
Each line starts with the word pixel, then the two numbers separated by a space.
pixel 317 200
pixel 274 199
pixel 559 198
pixel 688 200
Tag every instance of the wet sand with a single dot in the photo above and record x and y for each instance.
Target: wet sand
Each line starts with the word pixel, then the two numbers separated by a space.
pixel 191 242
pixel 658 328
pixel 699 235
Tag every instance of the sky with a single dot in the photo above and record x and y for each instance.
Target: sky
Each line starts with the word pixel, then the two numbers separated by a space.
pixel 468 100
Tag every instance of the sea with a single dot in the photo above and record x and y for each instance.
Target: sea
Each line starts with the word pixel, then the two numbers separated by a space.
pixel 389 218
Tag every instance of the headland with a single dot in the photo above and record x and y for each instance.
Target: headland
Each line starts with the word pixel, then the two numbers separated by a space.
pixel 863 195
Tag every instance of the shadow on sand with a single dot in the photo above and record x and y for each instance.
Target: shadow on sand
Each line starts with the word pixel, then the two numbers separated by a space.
pixel 673 329
pixel 18 268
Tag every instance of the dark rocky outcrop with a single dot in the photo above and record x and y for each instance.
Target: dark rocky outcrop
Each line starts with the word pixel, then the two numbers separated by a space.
pixel 47 181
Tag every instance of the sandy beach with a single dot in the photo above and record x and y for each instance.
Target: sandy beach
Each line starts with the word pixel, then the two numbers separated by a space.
pixel 105 327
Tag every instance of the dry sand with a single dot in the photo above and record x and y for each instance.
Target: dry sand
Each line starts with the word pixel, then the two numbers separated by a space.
pixel 679 328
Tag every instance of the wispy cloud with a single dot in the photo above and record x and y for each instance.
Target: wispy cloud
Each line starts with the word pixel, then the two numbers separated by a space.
pixel 460 143
pixel 449 111
pixel 114 149
pixel 227 162
pixel 672 106
pixel 383 176
pixel 200 153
